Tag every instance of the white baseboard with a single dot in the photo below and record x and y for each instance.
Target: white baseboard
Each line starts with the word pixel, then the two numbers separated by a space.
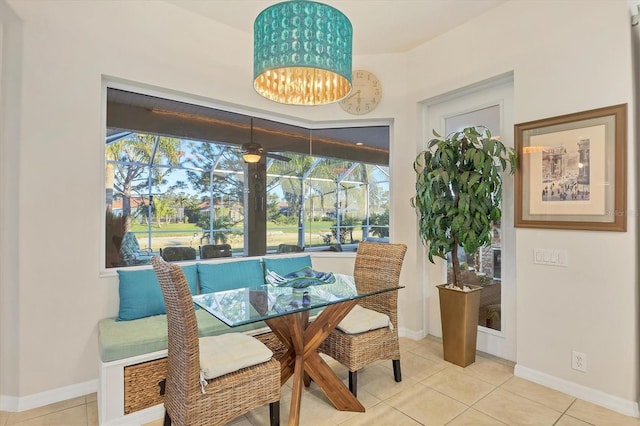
pixel 411 334
pixel 141 417
pixel 15 404
pixel 612 402
pixel 8 403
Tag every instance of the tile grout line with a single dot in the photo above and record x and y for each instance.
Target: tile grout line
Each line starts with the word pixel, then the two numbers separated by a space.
pixel 562 413
pixel 566 413
pixel 468 407
pixel 480 411
pixel 455 399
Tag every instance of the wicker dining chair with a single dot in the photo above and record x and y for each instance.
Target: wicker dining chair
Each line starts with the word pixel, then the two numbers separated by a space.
pixel 189 398
pixel 377 265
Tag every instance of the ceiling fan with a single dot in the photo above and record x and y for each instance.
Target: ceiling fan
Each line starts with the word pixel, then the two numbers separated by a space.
pixel 252 152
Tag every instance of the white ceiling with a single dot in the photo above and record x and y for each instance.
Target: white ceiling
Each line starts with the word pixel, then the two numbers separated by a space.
pixel 379 26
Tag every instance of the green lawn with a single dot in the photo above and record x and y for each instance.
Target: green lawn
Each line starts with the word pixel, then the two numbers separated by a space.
pixel 168 229
pixel 181 229
pixel 173 234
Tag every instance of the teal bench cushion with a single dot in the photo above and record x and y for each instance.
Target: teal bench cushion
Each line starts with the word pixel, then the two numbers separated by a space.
pixel 124 339
pixel 220 276
pixel 285 265
pixel 140 294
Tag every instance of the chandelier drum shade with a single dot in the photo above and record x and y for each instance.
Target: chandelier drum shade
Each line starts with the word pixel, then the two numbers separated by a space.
pixel 302 53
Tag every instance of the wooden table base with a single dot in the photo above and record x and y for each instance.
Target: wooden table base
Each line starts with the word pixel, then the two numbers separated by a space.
pixel 302 356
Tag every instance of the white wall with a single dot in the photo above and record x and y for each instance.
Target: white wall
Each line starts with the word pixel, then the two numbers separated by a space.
pixel 56 293
pixel 9 155
pixel 565 58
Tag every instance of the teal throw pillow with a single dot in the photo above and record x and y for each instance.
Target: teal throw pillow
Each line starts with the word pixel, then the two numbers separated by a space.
pixel 221 276
pixel 285 265
pixel 140 293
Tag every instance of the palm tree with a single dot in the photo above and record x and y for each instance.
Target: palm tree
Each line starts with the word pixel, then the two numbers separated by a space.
pixel 207 158
pixel 132 160
pixel 162 209
pixel 292 188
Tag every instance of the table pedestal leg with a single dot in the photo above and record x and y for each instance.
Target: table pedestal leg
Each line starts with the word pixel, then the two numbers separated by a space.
pixel 302 356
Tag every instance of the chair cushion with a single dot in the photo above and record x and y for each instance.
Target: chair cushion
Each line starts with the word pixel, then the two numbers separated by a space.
pixel 360 319
pixel 224 354
pixel 221 276
pixel 285 265
pixel 140 293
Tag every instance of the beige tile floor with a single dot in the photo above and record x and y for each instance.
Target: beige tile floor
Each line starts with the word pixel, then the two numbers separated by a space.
pixel 432 392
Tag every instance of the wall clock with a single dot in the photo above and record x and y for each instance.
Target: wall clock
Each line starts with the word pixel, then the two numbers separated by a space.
pixel 365 94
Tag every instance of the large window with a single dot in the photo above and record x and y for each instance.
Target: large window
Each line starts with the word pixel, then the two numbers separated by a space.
pixel 175 176
pixel 328 201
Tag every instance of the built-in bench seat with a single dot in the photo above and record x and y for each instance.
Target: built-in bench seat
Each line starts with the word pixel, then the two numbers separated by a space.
pixel 126 339
pixel 133 345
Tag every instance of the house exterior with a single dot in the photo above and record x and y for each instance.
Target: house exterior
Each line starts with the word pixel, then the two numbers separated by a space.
pixel 57 57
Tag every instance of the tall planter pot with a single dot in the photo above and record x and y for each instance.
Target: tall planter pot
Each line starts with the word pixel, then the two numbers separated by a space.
pixel 459 318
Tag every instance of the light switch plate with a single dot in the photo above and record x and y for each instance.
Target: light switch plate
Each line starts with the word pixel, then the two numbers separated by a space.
pixel 554 257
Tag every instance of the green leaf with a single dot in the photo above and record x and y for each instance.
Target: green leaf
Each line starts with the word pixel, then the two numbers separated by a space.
pixel 475 177
pixel 443 156
pixel 470 154
pixel 478 158
pixel 489 145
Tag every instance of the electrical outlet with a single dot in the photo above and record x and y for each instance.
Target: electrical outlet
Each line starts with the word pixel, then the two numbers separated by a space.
pixel 579 361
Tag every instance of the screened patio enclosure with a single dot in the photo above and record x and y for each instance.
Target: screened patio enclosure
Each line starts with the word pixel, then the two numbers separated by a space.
pixel 163 191
pixel 312 192
pixel 175 176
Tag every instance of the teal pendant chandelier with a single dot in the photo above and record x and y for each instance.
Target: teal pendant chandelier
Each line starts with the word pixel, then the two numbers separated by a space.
pixel 302 53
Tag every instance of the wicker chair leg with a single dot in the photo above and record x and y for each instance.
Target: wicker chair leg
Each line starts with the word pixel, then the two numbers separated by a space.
pixel 353 382
pixel 307 380
pixel 274 413
pixel 397 374
pixel 167 419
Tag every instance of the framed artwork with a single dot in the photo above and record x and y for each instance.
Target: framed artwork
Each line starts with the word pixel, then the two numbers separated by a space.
pixel 571 171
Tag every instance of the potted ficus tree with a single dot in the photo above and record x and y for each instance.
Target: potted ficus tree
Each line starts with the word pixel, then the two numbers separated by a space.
pixel 457 199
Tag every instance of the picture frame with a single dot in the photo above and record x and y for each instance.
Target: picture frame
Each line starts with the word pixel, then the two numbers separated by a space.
pixel 572 172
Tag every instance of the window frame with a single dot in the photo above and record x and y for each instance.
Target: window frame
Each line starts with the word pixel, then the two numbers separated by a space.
pixel 137 90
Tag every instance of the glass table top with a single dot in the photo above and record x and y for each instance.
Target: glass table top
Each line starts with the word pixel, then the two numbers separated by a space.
pixel 251 304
